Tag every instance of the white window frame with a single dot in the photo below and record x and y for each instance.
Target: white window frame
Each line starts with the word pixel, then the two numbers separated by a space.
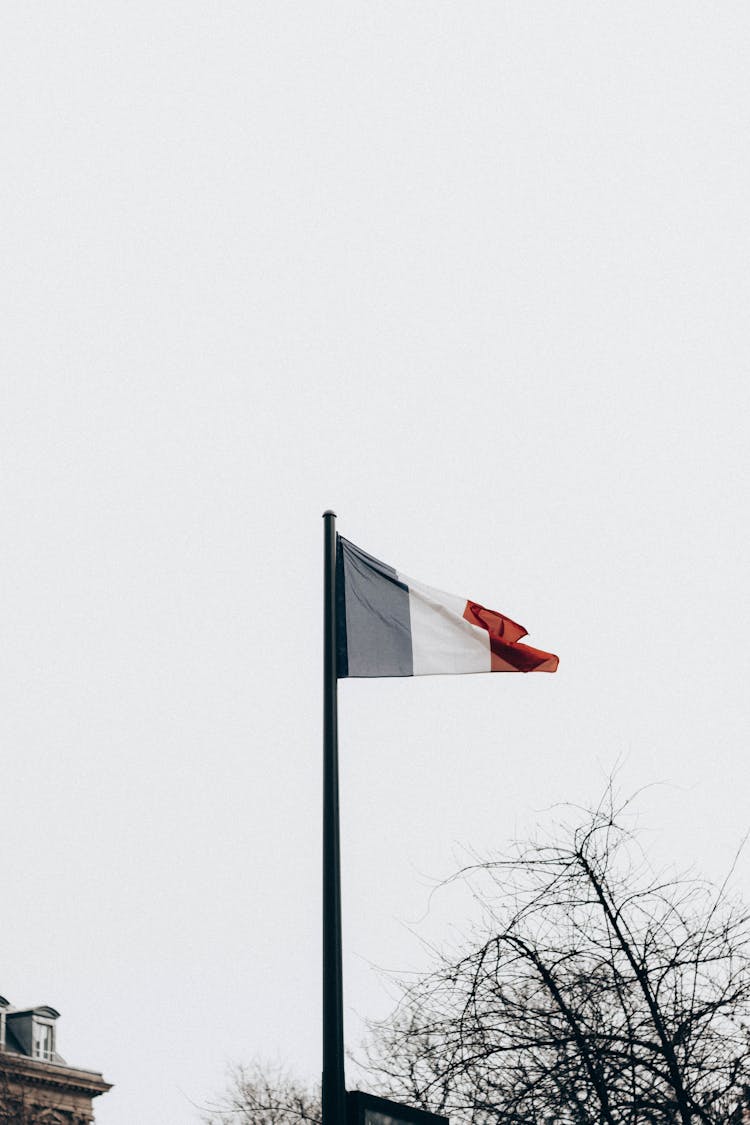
pixel 38 1051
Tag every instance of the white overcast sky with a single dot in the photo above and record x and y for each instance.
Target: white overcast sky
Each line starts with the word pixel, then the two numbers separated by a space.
pixel 476 276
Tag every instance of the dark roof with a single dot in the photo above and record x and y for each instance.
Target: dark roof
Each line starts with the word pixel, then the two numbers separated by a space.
pixel 12 1044
pixel 40 1010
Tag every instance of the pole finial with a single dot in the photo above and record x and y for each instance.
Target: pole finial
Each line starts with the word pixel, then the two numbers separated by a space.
pixel 329 512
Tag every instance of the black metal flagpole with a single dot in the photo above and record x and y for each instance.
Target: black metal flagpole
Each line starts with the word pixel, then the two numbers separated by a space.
pixel 334 1093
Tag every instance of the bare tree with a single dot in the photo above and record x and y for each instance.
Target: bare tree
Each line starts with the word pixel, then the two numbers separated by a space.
pixel 595 992
pixel 264 1094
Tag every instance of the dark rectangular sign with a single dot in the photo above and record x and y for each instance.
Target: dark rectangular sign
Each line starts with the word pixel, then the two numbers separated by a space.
pixel 366 1109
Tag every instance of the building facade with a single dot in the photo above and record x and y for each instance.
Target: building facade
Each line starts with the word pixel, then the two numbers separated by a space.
pixel 37 1085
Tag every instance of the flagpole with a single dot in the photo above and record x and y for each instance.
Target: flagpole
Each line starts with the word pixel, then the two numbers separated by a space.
pixel 333 1089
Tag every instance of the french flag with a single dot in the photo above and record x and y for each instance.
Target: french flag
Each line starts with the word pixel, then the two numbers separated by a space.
pixel 390 625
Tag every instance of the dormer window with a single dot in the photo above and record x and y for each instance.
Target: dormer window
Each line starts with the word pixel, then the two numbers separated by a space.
pixel 44 1039
pixel 31 1032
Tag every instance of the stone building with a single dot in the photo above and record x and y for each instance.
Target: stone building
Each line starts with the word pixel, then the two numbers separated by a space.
pixel 37 1085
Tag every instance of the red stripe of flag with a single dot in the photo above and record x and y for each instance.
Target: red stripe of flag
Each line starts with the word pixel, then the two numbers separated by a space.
pixel 506 655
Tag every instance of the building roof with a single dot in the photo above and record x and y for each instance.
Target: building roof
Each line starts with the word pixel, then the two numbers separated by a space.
pixel 18 1052
pixel 40 1010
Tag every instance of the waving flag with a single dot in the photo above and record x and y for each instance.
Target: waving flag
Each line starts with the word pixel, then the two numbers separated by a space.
pixel 390 625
